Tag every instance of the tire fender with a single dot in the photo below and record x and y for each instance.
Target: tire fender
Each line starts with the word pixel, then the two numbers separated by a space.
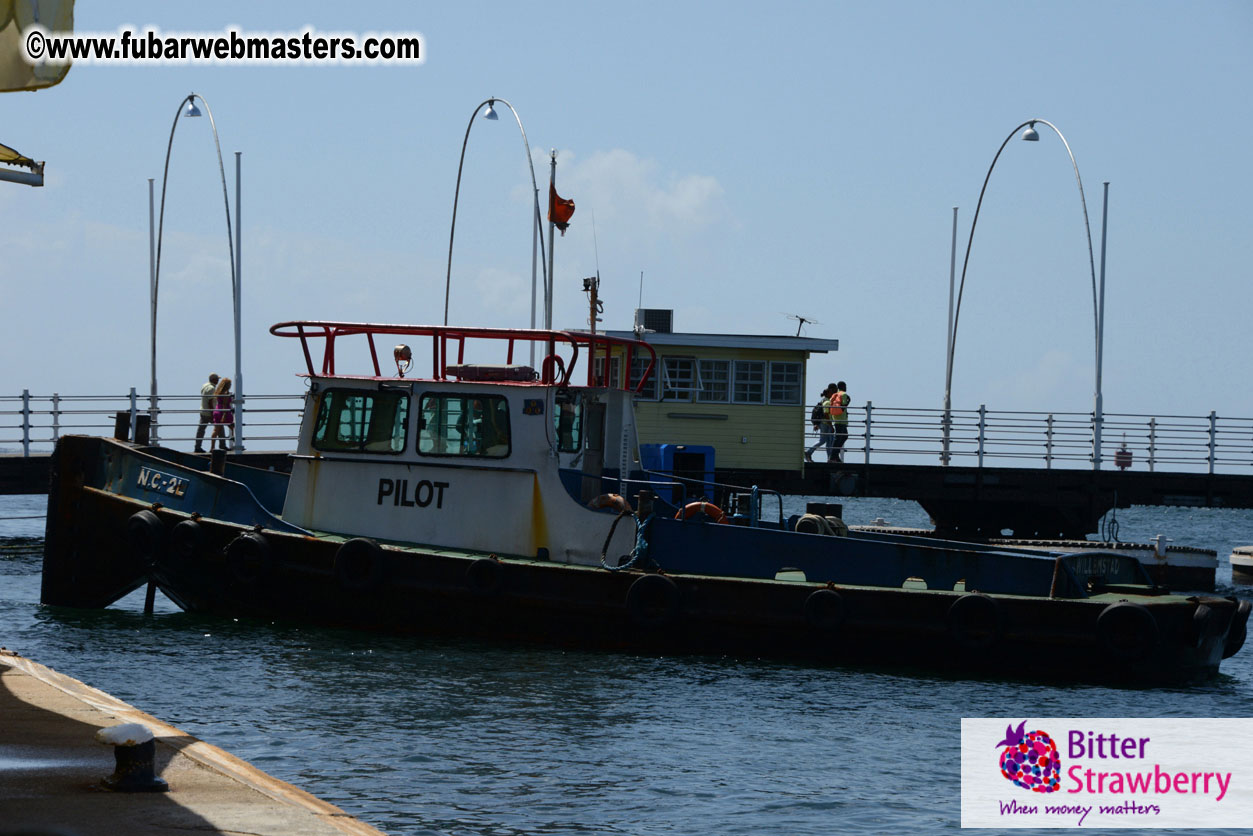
pixel 825 610
pixel 250 558
pixel 975 622
pixel 653 602
pixel 1127 632
pixel 360 564
pixel 146 534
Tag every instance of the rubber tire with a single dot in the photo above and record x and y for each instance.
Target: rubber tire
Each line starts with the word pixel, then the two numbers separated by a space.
pixel 653 601
pixel 1202 624
pixel 975 622
pixel 483 576
pixel 250 558
pixel 186 541
pixel 360 565
pixel 146 534
pixel 1238 631
pixel 825 610
pixel 1127 632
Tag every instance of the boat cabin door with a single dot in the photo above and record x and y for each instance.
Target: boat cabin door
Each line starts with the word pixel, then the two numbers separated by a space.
pixel 593 448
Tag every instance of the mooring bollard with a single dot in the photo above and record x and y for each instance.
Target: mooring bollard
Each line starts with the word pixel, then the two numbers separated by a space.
pixel 134 749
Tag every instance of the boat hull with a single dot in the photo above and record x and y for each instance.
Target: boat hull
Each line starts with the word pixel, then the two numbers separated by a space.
pixel 102 544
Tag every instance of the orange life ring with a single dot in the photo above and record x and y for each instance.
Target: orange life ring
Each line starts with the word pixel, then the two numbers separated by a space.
pixel 710 510
pixel 611 500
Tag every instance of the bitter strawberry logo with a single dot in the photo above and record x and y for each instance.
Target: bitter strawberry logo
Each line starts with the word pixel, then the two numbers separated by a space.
pixel 1030 759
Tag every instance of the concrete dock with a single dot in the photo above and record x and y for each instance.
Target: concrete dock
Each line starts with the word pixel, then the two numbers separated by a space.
pixel 51 769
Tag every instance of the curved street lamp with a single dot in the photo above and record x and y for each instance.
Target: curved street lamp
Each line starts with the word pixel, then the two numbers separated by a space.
pixel 193 111
pixel 490 114
pixel 1029 134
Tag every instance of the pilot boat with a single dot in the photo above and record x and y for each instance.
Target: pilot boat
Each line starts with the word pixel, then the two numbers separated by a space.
pixel 493 499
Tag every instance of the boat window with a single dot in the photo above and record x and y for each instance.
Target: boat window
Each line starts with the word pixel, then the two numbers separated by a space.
pixel 463 425
pixel 750 381
pixel 364 422
pixel 568 423
pixel 715 376
pixel 785 383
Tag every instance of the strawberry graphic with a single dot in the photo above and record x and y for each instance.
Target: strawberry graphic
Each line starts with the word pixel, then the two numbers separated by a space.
pixel 1030 759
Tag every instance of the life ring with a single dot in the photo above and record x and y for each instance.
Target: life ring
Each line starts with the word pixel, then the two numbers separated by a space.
pixel 1238 631
pixel 250 558
pixel 975 622
pixel 652 602
pixel 186 540
pixel 710 510
pixel 360 564
pixel 146 534
pixel 1128 632
pixel 611 500
pixel 483 576
pixel 825 610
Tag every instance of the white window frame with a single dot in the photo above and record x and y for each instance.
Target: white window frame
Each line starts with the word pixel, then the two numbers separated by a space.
pixel 685 393
pixel 798 399
pixel 707 375
pixel 761 382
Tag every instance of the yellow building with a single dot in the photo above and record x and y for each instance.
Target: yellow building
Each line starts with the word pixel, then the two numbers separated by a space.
pixel 743 395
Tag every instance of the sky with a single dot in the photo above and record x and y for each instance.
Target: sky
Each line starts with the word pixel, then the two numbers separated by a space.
pixel 738 163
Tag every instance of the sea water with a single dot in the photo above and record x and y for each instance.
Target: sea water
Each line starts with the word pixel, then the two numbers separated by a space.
pixel 423 736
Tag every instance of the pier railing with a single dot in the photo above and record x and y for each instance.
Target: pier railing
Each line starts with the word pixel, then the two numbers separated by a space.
pixel 31 424
pixel 982 437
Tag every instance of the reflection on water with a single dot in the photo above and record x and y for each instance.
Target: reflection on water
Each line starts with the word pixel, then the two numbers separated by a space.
pixel 426 736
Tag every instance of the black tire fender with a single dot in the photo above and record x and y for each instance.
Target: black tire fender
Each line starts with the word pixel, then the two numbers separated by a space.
pixel 360 564
pixel 1238 631
pixel 250 558
pixel 825 610
pixel 1127 632
pixel 975 622
pixel 653 601
pixel 186 541
pixel 483 576
pixel 146 534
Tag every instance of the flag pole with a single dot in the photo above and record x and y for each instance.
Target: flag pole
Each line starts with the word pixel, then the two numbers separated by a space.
pixel 548 290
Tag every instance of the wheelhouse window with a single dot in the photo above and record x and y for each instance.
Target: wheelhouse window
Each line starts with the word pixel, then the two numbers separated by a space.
pixel 568 423
pixel 678 378
pixel 750 381
pixel 785 383
pixel 715 378
pixel 361 422
pixel 452 424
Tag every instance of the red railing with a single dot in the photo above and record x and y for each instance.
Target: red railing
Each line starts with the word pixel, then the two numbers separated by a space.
pixel 555 369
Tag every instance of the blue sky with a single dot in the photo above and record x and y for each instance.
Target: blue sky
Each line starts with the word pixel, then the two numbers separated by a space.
pixel 752 161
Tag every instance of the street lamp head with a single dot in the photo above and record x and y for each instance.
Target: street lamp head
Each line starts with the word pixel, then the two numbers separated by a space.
pixel 490 113
pixel 1030 135
pixel 192 110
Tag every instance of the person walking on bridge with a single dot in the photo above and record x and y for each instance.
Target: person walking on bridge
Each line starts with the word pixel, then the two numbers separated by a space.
pixel 207 402
pixel 839 418
pixel 821 421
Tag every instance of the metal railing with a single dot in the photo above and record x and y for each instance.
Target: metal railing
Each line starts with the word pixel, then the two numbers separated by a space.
pixel 977 437
pixel 982 437
pixel 33 423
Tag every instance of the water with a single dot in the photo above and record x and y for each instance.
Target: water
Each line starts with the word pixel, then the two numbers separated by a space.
pixel 451 737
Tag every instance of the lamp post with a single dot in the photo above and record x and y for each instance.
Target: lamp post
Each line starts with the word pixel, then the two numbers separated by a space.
pixel 1030 135
pixel 490 114
pixel 193 111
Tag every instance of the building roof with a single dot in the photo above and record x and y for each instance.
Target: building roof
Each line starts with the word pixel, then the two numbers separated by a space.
pixel 783 343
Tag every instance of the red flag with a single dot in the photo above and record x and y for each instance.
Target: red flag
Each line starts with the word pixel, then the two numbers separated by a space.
pixel 559 209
